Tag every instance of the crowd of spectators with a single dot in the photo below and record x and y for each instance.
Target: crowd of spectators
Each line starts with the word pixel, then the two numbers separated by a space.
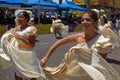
pixel 7 18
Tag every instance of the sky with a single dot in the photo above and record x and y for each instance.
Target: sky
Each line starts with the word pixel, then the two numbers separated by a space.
pixel 62 1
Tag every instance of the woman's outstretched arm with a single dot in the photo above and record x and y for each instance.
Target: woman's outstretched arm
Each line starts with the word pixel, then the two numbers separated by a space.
pixel 58 43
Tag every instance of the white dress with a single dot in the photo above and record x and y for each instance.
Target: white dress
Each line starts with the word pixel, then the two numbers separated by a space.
pixel 63 28
pixel 82 62
pixel 26 63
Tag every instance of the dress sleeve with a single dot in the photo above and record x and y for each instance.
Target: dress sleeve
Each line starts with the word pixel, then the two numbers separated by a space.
pixel 31 31
pixel 103 45
pixel 108 41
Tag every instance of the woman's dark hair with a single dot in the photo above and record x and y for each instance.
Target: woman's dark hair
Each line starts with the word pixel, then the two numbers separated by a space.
pixel 26 15
pixel 105 19
pixel 93 15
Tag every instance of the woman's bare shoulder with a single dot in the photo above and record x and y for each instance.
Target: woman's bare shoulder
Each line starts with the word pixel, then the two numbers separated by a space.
pixel 78 34
pixel 74 36
pixel 80 37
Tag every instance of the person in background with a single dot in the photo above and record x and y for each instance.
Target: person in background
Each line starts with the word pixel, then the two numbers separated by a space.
pixel 31 22
pixel 9 26
pixel 103 20
pixel 58 28
pixel 18 44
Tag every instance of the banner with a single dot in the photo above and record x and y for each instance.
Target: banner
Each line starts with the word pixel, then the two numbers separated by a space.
pixel 80 2
pixel 117 3
pixel 95 2
pixel 110 3
pixel 83 2
pixel 113 3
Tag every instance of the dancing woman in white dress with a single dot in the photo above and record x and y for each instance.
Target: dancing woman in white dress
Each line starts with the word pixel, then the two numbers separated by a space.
pixel 59 29
pixel 86 60
pixel 18 45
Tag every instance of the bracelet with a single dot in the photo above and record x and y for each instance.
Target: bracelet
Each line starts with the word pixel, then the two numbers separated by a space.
pixel 45 58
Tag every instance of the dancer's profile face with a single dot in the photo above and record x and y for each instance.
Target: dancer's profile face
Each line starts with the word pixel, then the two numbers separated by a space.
pixel 102 20
pixel 22 19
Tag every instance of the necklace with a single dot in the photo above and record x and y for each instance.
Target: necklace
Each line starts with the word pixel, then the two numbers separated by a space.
pixel 89 37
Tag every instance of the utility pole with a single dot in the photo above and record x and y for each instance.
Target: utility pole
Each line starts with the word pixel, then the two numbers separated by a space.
pixel 60 1
pixel 38 12
pixel 88 4
pixel 114 4
pixel 59 12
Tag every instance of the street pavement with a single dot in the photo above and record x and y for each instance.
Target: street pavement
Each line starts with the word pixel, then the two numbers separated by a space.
pixel 44 42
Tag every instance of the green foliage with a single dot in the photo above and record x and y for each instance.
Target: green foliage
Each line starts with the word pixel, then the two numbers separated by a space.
pixel 4 8
pixel 43 28
pixel 2 30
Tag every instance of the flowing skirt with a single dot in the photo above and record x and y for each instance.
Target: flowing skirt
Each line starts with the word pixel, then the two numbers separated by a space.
pixel 82 63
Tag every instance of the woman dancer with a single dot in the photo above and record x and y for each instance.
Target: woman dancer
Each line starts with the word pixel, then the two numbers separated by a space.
pixel 18 44
pixel 59 29
pixel 103 20
pixel 83 61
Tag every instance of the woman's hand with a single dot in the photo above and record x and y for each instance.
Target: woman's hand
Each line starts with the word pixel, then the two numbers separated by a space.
pixel 17 36
pixel 43 61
